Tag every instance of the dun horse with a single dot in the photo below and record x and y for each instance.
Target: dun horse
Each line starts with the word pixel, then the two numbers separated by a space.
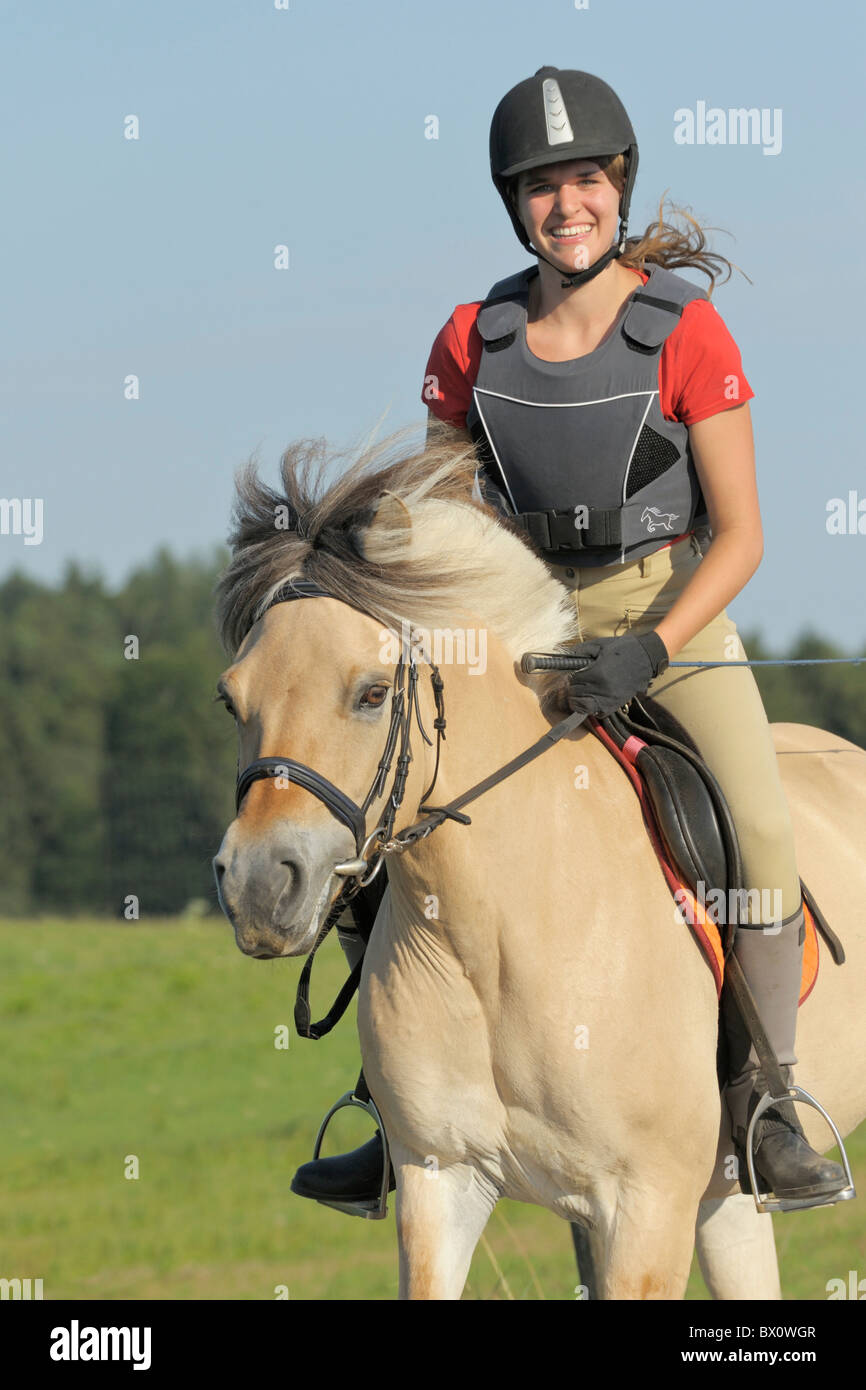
pixel 531 1012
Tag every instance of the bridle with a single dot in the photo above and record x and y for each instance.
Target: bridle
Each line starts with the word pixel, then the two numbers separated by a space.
pixel 382 841
pixel 404 704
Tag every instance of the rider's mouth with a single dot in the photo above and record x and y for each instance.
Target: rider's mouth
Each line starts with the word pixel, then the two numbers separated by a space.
pixel 564 236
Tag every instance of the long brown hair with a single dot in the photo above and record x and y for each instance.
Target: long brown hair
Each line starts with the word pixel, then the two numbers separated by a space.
pixel 662 243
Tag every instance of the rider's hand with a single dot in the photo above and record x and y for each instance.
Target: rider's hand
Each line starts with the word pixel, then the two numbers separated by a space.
pixel 621 668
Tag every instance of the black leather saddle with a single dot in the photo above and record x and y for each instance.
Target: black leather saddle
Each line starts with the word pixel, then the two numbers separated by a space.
pixel 691 812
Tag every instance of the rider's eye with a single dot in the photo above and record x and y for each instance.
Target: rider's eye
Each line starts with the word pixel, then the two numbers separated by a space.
pixel 374 696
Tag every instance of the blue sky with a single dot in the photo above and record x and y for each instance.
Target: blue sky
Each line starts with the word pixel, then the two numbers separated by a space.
pixel 306 127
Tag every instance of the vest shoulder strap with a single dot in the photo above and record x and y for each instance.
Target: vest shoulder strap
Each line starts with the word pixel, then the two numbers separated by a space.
pixel 503 305
pixel 654 313
pixel 656 309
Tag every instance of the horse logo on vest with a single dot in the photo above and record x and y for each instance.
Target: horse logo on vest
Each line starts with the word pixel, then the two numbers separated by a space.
pixel 658 521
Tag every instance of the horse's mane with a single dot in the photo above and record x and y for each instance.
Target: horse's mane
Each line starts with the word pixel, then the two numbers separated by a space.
pixel 456 558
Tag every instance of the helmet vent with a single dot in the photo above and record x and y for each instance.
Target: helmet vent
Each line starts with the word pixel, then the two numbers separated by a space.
pixel 559 130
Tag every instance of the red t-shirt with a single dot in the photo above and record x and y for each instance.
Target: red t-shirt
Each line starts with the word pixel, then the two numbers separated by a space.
pixel 700 371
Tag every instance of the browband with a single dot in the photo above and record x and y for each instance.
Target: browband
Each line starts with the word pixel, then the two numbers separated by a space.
pixel 299 588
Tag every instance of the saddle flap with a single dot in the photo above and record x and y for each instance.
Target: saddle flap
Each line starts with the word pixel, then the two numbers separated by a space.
pixel 686 817
pixel 683 819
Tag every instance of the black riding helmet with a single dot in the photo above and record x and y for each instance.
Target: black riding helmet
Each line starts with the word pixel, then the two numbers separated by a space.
pixel 555 115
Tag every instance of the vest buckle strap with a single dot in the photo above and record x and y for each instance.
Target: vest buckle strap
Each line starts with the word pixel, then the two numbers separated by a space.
pixel 556 530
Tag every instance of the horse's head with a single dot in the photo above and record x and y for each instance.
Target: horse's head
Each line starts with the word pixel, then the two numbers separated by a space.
pixel 321 689
pixel 315 688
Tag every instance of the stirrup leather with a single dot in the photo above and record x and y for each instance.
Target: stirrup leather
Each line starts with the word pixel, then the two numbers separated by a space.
pixel 376 1208
pixel 762 1199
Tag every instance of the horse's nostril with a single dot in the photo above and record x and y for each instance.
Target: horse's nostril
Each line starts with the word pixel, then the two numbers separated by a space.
pixel 293 872
pixel 219 869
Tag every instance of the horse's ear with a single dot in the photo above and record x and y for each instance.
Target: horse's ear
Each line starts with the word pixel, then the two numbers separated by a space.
pixel 391 515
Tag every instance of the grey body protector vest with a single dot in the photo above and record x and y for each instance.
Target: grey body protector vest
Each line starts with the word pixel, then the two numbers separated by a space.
pixel 578 453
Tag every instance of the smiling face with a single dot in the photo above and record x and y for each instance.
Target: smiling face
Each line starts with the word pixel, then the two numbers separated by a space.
pixel 570 210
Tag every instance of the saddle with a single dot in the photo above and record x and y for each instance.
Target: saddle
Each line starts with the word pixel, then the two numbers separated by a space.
pixel 691 827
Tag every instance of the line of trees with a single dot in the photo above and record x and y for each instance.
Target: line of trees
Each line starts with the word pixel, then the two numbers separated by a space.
pixel 118 775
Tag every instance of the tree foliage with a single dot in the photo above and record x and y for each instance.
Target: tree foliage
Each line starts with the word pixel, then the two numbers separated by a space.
pixel 118 773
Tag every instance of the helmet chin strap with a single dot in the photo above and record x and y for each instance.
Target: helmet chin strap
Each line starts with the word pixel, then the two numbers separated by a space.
pixel 580 277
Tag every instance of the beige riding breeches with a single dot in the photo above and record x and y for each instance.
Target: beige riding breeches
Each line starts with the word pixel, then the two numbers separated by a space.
pixel 720 707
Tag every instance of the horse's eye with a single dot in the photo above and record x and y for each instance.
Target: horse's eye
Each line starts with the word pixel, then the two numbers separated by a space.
pixel 222 699
pixel 374 696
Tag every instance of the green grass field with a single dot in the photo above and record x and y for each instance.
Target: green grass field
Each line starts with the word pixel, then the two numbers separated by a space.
pixel 158 1041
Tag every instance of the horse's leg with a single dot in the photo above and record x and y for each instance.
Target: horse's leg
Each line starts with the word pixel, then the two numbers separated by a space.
pixel 648 1239
pixel 441 1214
pixel 736 1249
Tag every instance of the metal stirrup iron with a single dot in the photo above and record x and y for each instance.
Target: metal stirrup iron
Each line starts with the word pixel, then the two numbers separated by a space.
pixel 376 1208
pixel 777 1093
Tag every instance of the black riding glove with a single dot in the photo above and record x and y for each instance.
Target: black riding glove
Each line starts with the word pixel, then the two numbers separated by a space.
pixel 621 667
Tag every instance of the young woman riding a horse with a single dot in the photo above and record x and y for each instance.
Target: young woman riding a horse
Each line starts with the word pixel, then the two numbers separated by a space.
pixel 612 422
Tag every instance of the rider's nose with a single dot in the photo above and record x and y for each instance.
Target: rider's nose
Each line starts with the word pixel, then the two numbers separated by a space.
pixel 568 202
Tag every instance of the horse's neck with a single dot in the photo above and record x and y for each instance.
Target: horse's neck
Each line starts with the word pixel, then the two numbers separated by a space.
pixel 466 894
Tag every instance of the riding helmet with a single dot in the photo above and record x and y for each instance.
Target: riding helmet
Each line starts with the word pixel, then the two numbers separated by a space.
pixel 555 115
